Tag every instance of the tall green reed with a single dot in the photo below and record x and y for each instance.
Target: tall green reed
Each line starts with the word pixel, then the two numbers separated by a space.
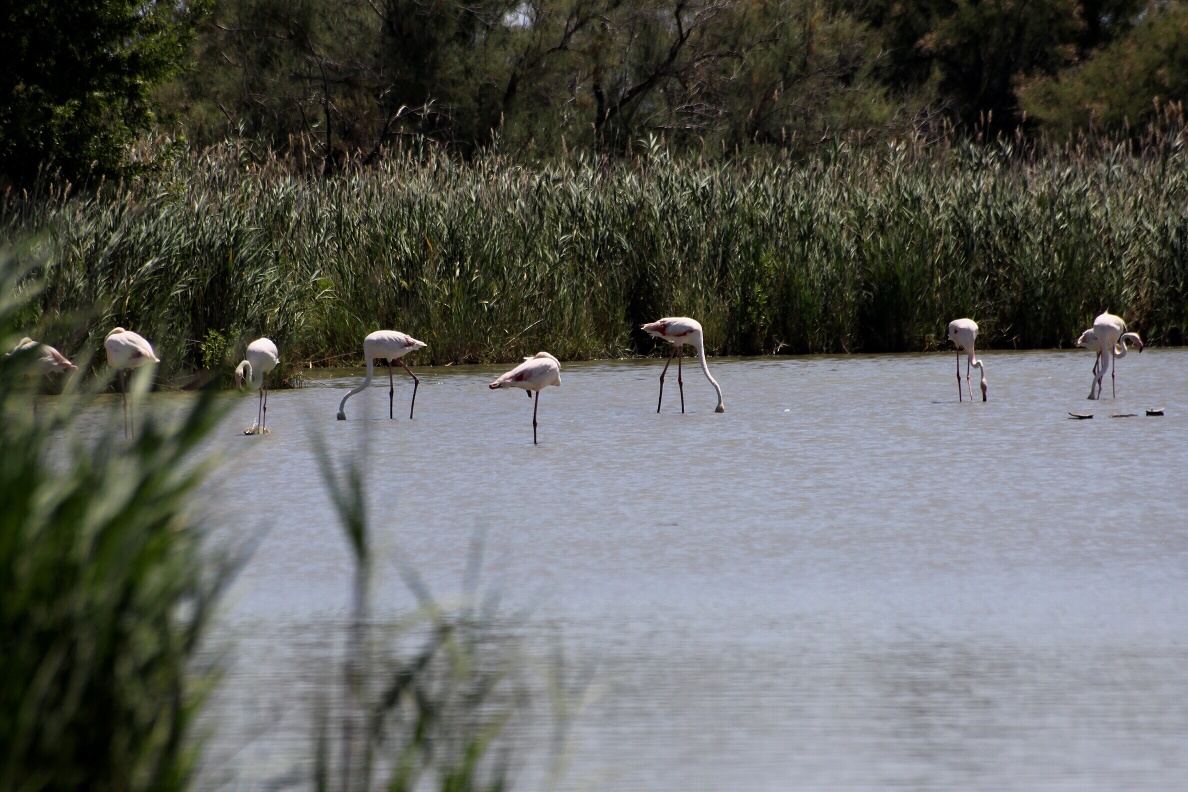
pixel 863 249
pixel 104 594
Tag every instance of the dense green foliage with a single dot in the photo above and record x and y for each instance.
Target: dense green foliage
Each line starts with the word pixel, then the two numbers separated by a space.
pixel 328 79
pixel 1124 83
pixel 102 594
pixel 75 79
pixel 860 251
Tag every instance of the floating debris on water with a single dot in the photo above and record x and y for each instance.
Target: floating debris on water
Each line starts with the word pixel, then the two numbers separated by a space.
pixel 1080 416
pixel 1124 415
pixel 1155 411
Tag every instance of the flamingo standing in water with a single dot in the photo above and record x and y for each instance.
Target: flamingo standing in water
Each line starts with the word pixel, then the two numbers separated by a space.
pixel 47 361
pixel 963 332
pixel 1111 335
pixel 387 345
pixel 126 351
pixel 261 358
pixel 678 331
pixel 536 372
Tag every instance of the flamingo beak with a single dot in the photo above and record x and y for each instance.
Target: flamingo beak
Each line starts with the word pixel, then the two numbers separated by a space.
pixel 983 391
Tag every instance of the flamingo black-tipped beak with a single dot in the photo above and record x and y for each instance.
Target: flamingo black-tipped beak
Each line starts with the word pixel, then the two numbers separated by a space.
pixel 342 416
pixel 720 409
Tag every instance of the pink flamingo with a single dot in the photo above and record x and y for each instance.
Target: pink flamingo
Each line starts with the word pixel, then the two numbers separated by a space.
pixel 261 357
pixel 678 331
pixel 1110 332
pixel 963 332
pixel 126 351
pixel 47 361
pixel 536 372
pixel 387 345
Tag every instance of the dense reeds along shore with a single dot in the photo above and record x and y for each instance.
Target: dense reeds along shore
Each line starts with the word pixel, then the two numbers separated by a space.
pixel 856 250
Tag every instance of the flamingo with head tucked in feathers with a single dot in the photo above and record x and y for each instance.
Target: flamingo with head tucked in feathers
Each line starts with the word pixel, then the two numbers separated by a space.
pixel 963 333
pixel 1111 336
pixel 126 351
pixel 389 346
pixel 535 373
pixel 261 357
pixel 47 360
pixel 678 331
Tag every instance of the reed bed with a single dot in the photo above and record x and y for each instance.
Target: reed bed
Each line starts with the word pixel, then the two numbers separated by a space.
pixel 856 250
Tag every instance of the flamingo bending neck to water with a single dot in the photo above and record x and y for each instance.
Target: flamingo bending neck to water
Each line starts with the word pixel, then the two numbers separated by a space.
pixel 963 333
pixel 126 351
pixel 387 345
pixel 261 357
pixel 535 373
pixel 1111 337
pixel 678 331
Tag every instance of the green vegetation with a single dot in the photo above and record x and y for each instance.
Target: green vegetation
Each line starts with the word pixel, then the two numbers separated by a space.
pixel 109 584
pixel 76 79
pixel 103 595
pixel 859 251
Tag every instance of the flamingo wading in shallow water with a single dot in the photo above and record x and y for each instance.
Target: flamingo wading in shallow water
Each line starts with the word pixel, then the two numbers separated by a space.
pixel 47 360
pixel 536 372
pixel 1111 335
pixel 387 345
pixel 678 331
pixel 126 351
pixel 261 357
pixel 963 332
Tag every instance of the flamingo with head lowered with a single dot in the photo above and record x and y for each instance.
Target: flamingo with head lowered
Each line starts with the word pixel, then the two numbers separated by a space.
pixel 126 351
pixel 678 331
pixel 963 332
pixel 536 372
pixel 1111 336
pixel 389 346
pixel 261 357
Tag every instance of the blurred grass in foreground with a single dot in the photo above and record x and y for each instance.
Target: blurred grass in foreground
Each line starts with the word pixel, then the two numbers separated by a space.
pixel 108 587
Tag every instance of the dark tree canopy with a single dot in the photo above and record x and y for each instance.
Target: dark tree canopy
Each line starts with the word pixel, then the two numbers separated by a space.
pixel 75 79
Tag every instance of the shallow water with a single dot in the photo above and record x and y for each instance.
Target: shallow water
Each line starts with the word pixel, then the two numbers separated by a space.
pixel 847 581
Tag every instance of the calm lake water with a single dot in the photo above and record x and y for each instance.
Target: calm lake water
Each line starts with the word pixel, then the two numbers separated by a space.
pixel 847 581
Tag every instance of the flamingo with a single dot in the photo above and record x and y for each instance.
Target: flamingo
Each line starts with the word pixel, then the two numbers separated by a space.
pixel 1110 331
pixel 678 331
pixel 47 361
pixel 125 351
pixel 261 358
pixel 1088 340
pixel 535 373
pixel 387 345
pixel 963 332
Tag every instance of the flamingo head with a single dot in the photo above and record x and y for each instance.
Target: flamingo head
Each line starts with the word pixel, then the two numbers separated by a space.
pixel 244 369
pixel 983 387
pixel 341 415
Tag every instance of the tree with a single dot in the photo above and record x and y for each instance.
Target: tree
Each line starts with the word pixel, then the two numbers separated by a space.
pixel 1122 84
pixel 76 76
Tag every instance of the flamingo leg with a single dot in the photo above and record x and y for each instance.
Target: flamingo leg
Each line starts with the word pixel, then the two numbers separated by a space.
pixel 391 390
pixel 968 387
pixel 680 382
pixel 1113 371
pixel 535 407
pixel 264 391
pixel 1101 370
pixel 260 408
pixel 662 373
pixel 1093 384
pixel 960 395
pixel 413 405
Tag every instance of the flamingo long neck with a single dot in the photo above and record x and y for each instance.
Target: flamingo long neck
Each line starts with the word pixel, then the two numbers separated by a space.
pixel 705 369
pixel 1121 345
pixel 246 371
pixel 363 386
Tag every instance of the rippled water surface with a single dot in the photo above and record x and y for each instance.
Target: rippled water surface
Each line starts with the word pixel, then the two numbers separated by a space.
pixel 847 581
